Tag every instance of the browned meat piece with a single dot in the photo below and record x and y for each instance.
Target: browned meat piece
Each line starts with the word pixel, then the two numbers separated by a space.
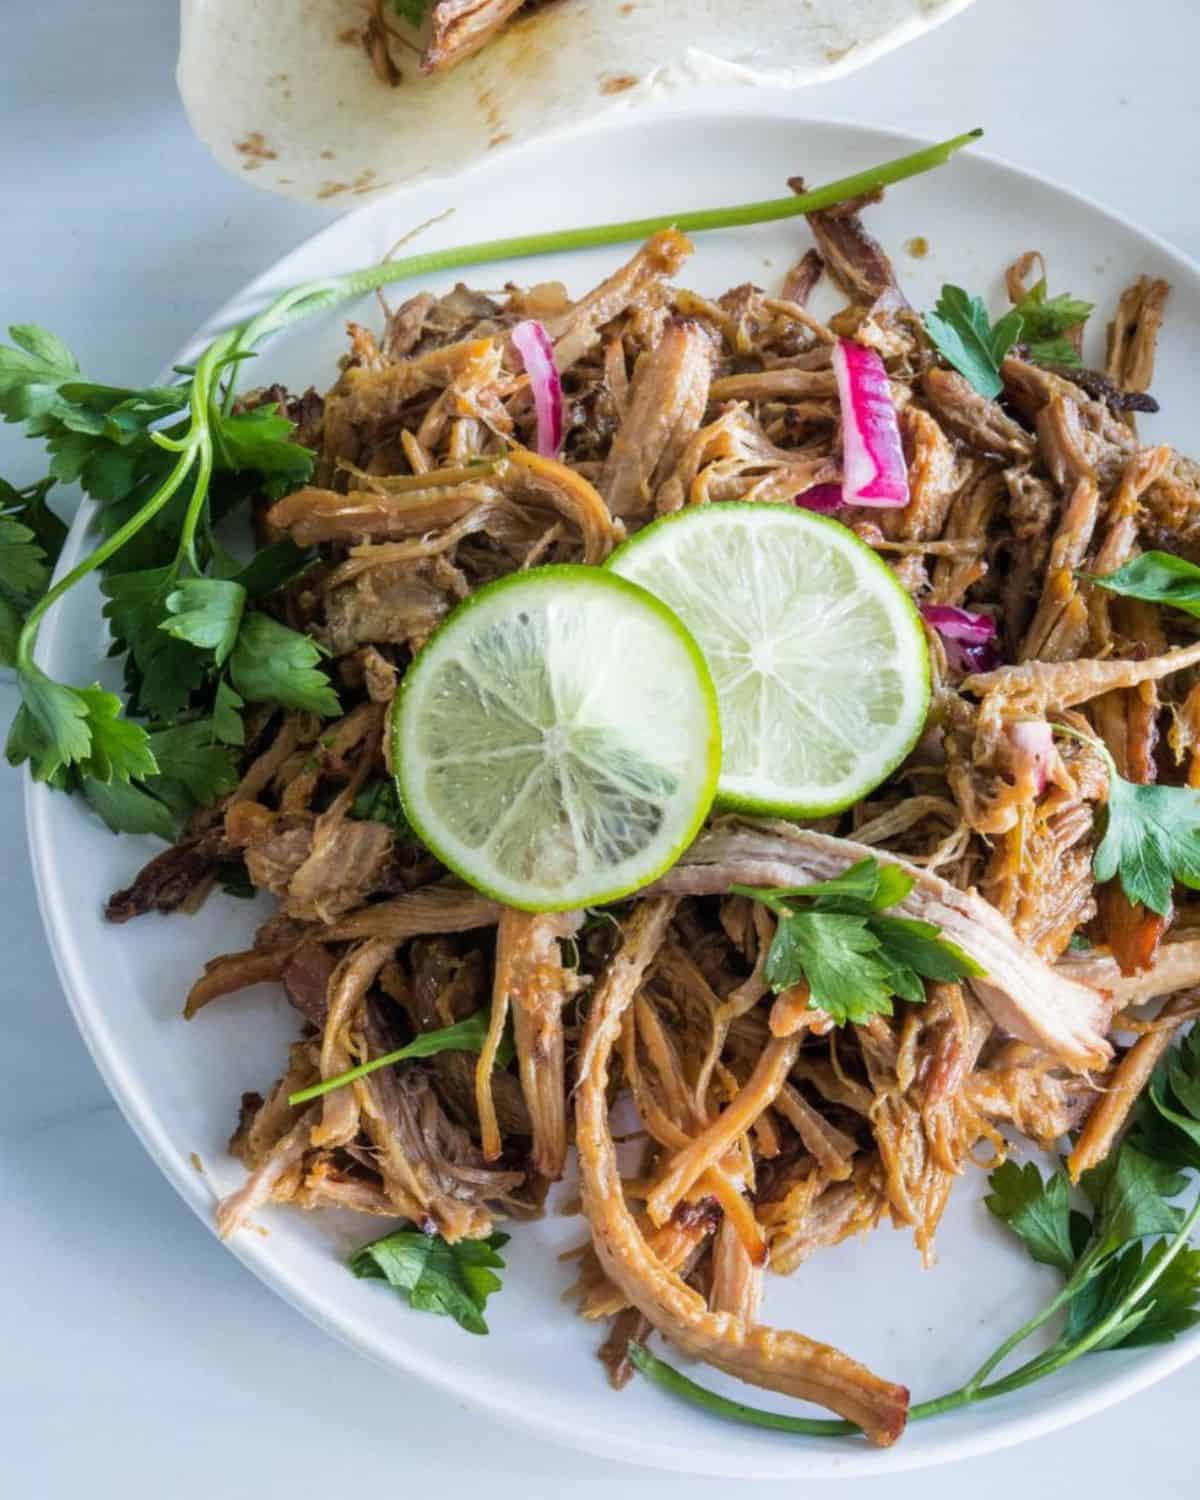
pixel 235 971
pixel 433 908
pixel 933 479
pixel 1124 1087
pixel 430 1168
pixel 1133 334
pixel 1100 388
pixel 1020 992
pixel 811 1213
pixel 347 994
pixel 667 398
pixel 1059 630
pixel 1171 516
pixel 389 604
pixel 628 1325
pixel 487 493
pixel 705 1151
pixel 1022 1087
pixel 973 419
pixel 306 972
pixel 763 1356
pixel 530 974
pixel 800 281
pixel 172 878
pixel 1046 688
pixel 577 331
pixel 459 28
pixel 856 261
pixel 783 384
pixel 1176 966
pixel 736 1279
pixel 285 1158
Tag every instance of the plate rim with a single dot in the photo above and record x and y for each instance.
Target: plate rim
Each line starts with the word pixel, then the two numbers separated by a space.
pixel 770 1458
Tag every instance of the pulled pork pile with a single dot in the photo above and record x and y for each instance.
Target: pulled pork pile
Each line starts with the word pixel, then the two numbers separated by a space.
pixel 765 1133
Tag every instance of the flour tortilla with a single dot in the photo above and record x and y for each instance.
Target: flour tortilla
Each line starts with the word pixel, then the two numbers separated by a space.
pixel 282 92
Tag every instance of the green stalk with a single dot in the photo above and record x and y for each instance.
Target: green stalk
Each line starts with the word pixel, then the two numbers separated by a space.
pixel 463 1036
pixel 678 1384
pixel 322 296
pixel 1047 1363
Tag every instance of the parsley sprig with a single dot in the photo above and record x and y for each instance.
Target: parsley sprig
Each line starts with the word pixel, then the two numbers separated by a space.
pixel 967 339
pixel 837 936
pixel 455 1280
pixel 1151 834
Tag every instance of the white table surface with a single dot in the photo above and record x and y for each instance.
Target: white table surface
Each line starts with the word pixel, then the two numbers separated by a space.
pixel 137 1358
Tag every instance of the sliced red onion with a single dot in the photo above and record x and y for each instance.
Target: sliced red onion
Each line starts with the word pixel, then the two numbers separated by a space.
pixel 822 498
pixel 969 638
pixel 1035 740
pixel 532 343
pixel 872 454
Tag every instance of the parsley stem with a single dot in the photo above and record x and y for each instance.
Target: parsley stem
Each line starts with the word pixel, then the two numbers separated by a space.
pixel 97 559
pixel 1014 1340
pixel 670 1379
pixel 322 296
pixel 463 1036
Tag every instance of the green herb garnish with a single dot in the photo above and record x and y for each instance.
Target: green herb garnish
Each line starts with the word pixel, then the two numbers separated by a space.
pixel 835 935
pixel 1156 577
pixel 463 1036
pixel 1047 321
pixel 1151 834
pixel 379 802
pixel 966 338
pixel 455 1280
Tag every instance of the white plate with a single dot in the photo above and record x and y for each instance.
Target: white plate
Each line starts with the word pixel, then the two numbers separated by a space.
pixel 178 1083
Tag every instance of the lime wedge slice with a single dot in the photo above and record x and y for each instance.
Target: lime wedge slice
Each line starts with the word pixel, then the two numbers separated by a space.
pixel 818 655
pixel 556 741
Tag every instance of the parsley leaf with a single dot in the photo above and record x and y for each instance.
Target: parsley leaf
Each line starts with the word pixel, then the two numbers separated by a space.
pixel 188 753
pixel 1151 835
pixel 454 1280
pixel 207 612
pixel 965 337
pixel 1039 1212
pixel 853 957
pixel 65 726
pixel 1047 321
pixel 379 802
pixel 227 715
pixel 128 808
pixel 272 664
pixel 1158 578
pixel 259 440
pixel 23 569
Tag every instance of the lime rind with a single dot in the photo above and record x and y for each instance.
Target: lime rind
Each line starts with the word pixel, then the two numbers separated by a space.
pixel 818 654
pixel 602 667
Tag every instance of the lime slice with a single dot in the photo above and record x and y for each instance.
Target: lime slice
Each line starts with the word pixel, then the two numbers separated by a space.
pixel 819 658
pixel 556 741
